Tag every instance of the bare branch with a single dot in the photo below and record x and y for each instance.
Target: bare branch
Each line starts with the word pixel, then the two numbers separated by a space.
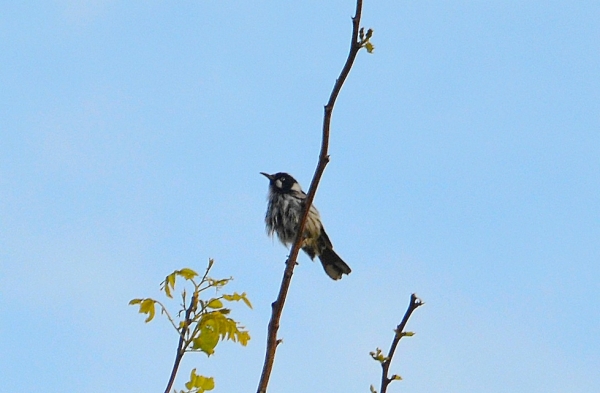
pixel 277 306
pixel 415 303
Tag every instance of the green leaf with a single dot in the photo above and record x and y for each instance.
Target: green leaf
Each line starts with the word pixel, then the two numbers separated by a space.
pixel 236 297
pixel 408 334
pixel 243 337
pixel 189 385
pixel 217 283
pixel 206 342
pixel 187 273
pixel 370 48
pixel 208 338
pixel 245 299
pixel 396 377
pixel 215 303
pixel 206 383
pixel 147 306
pixel 168 284
pixel 199 382
pixel 378 355
pixel 372 388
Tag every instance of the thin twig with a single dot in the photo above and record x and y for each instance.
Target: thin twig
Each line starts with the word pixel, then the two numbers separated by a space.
pixel 277 306
pixel 181 347
pixel 415 303
pixel 164 310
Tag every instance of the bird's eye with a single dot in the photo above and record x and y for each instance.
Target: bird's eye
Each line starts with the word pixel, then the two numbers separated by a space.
pixel 283 179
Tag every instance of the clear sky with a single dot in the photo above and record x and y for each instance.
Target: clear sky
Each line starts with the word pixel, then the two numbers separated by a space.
pixel 465 167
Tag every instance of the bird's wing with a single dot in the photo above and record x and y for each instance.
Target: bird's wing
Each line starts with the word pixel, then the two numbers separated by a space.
pixel 324 239
pixel 300 195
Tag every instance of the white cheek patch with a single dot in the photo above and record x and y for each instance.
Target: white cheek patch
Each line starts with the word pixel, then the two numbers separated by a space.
pixel 296 187
pixel 278 183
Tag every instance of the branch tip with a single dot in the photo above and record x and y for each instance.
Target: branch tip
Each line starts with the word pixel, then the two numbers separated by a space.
pixel 399 332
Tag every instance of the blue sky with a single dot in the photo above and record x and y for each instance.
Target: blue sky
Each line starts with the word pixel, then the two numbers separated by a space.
pixel 465 167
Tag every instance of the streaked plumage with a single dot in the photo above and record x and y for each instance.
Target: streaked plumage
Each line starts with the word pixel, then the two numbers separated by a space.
pixel 286 201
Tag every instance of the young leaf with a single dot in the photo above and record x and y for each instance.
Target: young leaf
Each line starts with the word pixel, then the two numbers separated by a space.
pixel 237 297
pixel 245 299
pixel 215 303
pixel 147 306
pixel 243 337
pixel 168 284
pixel 208 338
pixel 192 382
pixel 199 383
pixel 206 342
pixel 187 273
pixel 205 383
pixel 378 355
pixel 217 283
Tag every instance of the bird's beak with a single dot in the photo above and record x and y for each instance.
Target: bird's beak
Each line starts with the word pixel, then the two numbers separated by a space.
pixel 270 177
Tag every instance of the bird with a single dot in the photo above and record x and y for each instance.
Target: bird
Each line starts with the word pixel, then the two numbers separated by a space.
pixel 284 212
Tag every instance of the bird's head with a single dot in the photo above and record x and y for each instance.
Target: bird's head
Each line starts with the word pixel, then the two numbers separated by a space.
pixel 282 182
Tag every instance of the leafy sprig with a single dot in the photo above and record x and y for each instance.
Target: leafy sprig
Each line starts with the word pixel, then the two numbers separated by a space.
pixel 200 323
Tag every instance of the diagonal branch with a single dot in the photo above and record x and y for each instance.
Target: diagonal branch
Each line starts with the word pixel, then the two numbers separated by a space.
pixel 181 347
pixel 277 306
pixel 415 303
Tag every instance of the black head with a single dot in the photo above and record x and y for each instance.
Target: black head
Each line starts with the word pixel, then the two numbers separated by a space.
pixel 281 181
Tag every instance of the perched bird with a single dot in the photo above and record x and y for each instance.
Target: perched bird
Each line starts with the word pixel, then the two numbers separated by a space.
pixel 286 201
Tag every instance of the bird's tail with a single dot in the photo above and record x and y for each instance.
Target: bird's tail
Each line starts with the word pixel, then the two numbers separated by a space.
pixel 334 265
